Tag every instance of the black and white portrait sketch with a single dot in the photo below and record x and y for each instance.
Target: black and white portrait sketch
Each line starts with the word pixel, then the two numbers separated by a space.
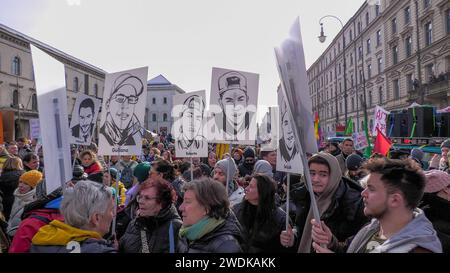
pixel 123 112
pixel 189 113
pixel 288 156
pixel 234 96
pixel 84 117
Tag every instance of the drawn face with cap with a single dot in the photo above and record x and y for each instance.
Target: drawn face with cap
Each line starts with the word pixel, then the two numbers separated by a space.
pixel 234 104
pixel 122 105
pixel 191 118
pixel 288 132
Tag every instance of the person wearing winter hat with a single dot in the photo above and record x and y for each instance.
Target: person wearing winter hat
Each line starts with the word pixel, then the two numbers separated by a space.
pixel 237 156
pixel 140 174
pixel 355 170
pixel 263 167
pixel 224 168
pixel 436 201
pixel 109 179
pixel 248 162
pixel 417 155
pixel 24 194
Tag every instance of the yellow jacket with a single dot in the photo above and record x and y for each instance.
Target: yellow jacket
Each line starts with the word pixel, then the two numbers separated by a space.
pixel 122 191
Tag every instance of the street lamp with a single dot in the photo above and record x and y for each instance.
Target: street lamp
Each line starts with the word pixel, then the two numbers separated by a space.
pixel 322 39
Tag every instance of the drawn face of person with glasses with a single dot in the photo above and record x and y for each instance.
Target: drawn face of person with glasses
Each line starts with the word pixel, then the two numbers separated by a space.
pixel 121 122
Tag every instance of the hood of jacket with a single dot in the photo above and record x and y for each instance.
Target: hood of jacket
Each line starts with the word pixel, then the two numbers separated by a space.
pixel 59 233
pixel 417 233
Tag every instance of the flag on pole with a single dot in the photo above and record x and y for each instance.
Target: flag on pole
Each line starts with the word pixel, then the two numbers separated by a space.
pixel 317 131
pixel 382 143
pixel 349 128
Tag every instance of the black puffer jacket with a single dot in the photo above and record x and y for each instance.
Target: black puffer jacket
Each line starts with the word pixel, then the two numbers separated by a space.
pixel 345 215
pixel 156 229
pixel 226 238
pixel 9 180
pixel 262 238
pixel 437 211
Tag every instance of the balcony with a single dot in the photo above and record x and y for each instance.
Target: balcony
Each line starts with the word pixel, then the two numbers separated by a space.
pixel 437 89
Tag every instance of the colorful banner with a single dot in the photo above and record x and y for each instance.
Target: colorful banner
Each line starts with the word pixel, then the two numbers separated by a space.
pixel 359 140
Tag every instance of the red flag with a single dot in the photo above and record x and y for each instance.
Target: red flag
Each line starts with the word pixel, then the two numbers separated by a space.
pixel 382 143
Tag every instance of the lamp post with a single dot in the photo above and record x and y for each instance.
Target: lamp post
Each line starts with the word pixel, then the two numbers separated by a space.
pixel 322 39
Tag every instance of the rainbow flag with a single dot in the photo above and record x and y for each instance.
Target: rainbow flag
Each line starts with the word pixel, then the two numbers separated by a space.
pixel 317 131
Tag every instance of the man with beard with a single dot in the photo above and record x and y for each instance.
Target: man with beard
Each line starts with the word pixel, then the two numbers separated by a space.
pixel 122 125
pixel 83 131
pixel 394 190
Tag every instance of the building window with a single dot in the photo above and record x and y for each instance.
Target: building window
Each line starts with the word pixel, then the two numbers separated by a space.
pixel 380 65
pixel 16 68
pixel 351 59
pixel 370 125
pixel 353 104
pixel 408 46
pixel 407 11
pixel 359 27
pixel 394 25
pixel 361 76
pixel 96 90
pixel 75 84
pixel 395 55
pixel 164 117
pixel 396 88
pixel 426 3
pixel 377 10
pixel 409 82
pixel 86 84
pixel 380 95
pixel 367 19
pixel 428 33
pixel 379 37
pixel 360 52
pixel 351 35
pixel 369 71
pixel 339 68
pixel 165 100
pixel 340 106
pixel 368 46
pixel 448 21
pixel 16 98
pixel 154 117
pixel 153 101
pixel 34 104
pixel 429 70
pixel 351 80
pixel 370 98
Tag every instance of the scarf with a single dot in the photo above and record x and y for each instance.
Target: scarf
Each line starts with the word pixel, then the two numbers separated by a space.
pixel 323 200
pixel 200 229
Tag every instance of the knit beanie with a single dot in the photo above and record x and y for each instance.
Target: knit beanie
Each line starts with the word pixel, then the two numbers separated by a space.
pixel 249 152
pixel 223 165
pixel 436 181
pixel 31 178
pixel 417 153
pixel 353 162
pixel 113 172
pixel 446 143
pixel 263 167
pixel 141 171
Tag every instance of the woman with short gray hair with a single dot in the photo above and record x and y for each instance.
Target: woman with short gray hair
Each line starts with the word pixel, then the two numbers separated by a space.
pixel 88 209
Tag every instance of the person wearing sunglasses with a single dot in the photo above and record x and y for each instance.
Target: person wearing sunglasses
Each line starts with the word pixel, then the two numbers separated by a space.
pixel 121 125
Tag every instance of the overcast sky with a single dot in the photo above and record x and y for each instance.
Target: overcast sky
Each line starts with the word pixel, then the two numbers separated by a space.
pixel 181 39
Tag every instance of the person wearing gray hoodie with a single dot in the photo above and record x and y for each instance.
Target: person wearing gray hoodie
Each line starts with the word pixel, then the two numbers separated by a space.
pixel 394 190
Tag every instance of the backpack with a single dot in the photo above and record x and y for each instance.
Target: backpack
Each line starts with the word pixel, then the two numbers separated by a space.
pixel 126 176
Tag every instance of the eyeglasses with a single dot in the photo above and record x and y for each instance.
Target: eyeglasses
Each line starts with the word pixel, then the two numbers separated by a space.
pixel 144 198
pixel 120 98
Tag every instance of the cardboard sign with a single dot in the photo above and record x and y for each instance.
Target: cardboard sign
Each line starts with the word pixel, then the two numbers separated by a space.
pixel 380 120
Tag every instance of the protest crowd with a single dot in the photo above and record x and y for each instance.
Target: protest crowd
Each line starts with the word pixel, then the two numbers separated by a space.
pixel 167 204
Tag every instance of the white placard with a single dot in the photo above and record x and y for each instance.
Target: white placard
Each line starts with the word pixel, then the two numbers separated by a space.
pixel 84 119
pixel 123 111
pixel 35 131
pixel 233 103
pixel 288 155
pixel 52 101
pixel 380 120
pixel 189 113
pixel 359 140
